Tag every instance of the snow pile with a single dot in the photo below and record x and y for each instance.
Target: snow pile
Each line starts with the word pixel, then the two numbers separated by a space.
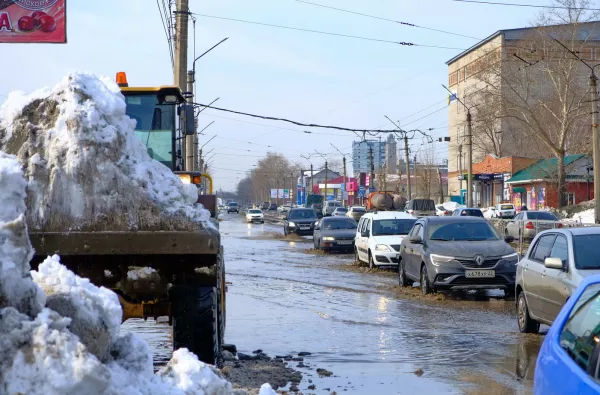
pixel 489 212
pixel 85 167
pixel 450 206
pixel 586 217
pixel 45 346
pixel 141 273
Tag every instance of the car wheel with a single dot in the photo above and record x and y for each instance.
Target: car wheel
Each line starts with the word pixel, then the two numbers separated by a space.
pixel 402 280
pixel 509 293
pixel 371 262
pixel 425 285
pixel 526 323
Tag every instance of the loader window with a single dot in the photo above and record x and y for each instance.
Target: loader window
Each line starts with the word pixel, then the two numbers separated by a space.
pixel 155 125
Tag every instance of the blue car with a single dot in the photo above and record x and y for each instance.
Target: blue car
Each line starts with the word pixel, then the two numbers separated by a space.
pixel 569 360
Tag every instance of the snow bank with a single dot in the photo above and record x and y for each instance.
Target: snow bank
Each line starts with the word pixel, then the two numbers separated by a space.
pixel 586 217
pixel 450 206
pixel 46 352
pixel 84 165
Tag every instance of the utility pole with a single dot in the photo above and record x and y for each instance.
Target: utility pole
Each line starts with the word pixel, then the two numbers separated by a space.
pixel 399 183
pixel 326 171
pixel 291 187
pixel 344 200
pixel 180 69
pixel 372 176
pixel 191 141
pixel 407 166
pixel 460 167
pixel 596 148
pixel 441 185
pixel 312 183
pixel 415 172
pixel 470 160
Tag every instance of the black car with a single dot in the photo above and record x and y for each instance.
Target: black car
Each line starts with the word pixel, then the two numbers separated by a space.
pixel 467 212
pixel 300 221
pixel 233 207
pixel 456 253
pixel 273 207
pixel 335 233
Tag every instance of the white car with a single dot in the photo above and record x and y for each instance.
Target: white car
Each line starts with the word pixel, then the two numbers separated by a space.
pixel 255 215
pixel 505 210
pixel 378 237
pixel 442 211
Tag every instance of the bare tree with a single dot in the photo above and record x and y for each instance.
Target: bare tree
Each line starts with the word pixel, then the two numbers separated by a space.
pixel 274 171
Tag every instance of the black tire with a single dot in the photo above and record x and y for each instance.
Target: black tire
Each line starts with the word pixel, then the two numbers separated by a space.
pixel 525 322
pixel 425 285
pixel 509 293
pixel 402 280
pixel 371 261
pixel 195 321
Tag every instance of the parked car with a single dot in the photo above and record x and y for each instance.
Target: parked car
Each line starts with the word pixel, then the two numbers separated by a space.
pixel 467 212
pixel 329 207
pixel 420 207
pixel 335 233
pixel 273 207
pixel 265 205
pixel 569 359
pixel 300 221
pixel 340 212
pixel 378 237
pixel 555 264
pixel 456 253
pixel 232 207
pixel 356 212
pixel 255 215
pixel 505 211
pixel 441 211
pixel 530 223
pixel 318 207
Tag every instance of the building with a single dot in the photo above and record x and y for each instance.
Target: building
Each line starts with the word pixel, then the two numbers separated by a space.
pixel 361 153
pixel 503 52
pixel 535 186
pixel 391 155
pixel 318 177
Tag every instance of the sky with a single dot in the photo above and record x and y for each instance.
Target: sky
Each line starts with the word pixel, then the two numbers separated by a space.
pixel 310 78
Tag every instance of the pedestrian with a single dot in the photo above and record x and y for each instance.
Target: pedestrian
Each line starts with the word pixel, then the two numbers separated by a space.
pixel 524 208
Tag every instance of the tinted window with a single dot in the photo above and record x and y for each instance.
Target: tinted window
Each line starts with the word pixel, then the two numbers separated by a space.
pixel 417 230
pixel 580 330
pixel 254 211
pixel 560 249
pixel 507 207
pixel 382 227
pixel 543 247
pixel 302 214
pixel 472 213
pixel 422 204
pixel 232 204
pixel 358 210
pixel 343 224
pixel 541 216
pixel 421 232
pixel 341 210
pixel 463 230
pixel 585 249
pixel 366 227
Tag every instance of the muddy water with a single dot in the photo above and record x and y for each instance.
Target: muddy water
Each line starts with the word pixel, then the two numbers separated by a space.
pixel 372 335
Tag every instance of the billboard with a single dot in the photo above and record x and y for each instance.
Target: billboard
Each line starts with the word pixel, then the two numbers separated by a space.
pixel 33 21
pixel 280 193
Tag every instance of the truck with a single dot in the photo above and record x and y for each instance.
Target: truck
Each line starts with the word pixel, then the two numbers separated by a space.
pixel 187 280
pixel 385 201
pixel 313 199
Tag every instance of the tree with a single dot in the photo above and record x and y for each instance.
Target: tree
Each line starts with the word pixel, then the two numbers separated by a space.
pixel 274 171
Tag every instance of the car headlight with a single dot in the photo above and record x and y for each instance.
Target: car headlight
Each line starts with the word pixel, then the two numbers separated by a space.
pixel 440 259
pixel 382 247
pixel 328 238
pixel 292 224
pixel 511 258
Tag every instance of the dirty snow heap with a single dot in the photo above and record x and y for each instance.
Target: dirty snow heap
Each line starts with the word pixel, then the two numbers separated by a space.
pixel 85 167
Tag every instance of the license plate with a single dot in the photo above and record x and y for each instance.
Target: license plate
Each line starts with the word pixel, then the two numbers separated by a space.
pixel 480 273
pixel 304 226
pixel 344 242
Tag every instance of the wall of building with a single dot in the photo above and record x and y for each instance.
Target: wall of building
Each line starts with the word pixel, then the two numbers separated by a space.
pixel 361 155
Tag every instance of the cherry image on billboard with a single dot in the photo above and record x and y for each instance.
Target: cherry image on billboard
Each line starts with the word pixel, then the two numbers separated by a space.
pixel 26 24
pixel 33 21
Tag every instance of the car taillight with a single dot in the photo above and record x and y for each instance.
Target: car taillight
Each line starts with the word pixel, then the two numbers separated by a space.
pixel 411 211
pixel 559 225
pixel 529 225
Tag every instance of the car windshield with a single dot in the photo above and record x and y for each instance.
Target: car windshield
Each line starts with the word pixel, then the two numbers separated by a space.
pixel 462 231
pixel 507 207
pixel 541 215
pixel 385 227
pixel 341 210
pixel 254 211
pixel 472 213
pixel 302 214
pixel 422 205
pixel 232 204
pixel 585 248
pixel 359 210
pixel 339 224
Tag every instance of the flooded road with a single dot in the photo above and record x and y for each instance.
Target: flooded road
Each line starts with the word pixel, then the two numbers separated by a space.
pixel 375 337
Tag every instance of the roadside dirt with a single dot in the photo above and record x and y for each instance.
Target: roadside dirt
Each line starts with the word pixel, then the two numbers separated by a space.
pixel 276 236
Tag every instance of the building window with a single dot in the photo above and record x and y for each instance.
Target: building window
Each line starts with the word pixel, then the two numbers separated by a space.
pixel 570 198
pixel 465 76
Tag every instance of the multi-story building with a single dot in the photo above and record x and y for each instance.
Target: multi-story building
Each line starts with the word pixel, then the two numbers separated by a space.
pixel 391 155
pixel 361 151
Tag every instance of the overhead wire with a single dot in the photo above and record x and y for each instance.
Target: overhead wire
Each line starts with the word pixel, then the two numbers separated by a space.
pixel 527 5
pixel 402 43
pixel 162 18
pixel 387 19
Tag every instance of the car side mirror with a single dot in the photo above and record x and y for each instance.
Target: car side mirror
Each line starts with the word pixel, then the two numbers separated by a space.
pixel 416 240
pixel 509 239
pixel 554 263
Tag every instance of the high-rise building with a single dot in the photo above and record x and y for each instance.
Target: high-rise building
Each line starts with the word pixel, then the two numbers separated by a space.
pixel 391 155
pixel 361 162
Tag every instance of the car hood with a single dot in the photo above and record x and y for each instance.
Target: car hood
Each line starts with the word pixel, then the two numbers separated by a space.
pixel 303 221
pixel 339 232
pixel 389 240
pixel 468 249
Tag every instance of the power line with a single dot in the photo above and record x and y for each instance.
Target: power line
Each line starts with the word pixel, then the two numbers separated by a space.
pixel 387 20
pixel 162 19
pixel 527 5
pixel 403 43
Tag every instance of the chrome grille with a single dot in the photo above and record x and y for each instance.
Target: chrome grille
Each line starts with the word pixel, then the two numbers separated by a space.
pixel 471 264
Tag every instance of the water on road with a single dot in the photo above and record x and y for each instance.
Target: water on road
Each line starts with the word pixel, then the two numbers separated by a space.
pixel 374 338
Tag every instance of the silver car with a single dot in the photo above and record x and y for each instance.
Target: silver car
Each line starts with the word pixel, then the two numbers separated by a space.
pixel 530 223
pixel 556 262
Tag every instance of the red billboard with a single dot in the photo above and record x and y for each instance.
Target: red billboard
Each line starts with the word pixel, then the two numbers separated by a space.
pixel 33 21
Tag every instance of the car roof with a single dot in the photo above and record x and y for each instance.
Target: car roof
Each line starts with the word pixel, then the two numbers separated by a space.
pixel 585 230
pixel 389 215
pixel 469 208
pixel 327 219
pixel 454 219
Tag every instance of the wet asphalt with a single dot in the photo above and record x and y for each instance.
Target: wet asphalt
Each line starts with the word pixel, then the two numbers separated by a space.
pixel 375 339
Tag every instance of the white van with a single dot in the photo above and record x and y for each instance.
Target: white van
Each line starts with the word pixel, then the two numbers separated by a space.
pixel 330 206
pixel 378 237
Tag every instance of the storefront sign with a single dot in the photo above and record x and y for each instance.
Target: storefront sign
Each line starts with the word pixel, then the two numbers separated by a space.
pixel 483 177
pixel 33 21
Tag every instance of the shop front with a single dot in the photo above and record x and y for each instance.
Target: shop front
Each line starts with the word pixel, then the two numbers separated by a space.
pixel 488 189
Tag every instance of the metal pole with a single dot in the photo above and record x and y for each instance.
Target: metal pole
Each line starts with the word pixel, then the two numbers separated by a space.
pixel 372 176
pixel 596 148
pixel 460 168
pixel 415 172
pixel 191 141
pixel 312 183
pixel 344 200
pixel 326 171
pixel 441 185
pixel 407 167
pixel 181 54
pixel 291 187
pixel 470 161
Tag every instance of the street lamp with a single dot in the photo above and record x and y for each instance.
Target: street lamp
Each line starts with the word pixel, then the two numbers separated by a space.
pixel 326 171
pixel 344 201
pixel 312 185
pixel 211 48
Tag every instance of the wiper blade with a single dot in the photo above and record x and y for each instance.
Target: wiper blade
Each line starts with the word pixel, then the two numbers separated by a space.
pixel 441 239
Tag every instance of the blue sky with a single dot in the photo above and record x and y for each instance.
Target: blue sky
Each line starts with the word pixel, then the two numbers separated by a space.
pixel 307 77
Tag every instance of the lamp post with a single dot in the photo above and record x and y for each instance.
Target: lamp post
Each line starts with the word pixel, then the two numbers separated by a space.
pixel 344 201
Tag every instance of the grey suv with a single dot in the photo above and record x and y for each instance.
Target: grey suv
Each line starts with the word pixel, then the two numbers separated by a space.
pixel 556 262
pixel 456 253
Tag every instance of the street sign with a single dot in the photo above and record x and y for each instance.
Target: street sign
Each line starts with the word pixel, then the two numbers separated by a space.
pixel 361 193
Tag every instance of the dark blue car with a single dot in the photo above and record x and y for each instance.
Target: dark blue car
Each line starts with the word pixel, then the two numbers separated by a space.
pixel 569 360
